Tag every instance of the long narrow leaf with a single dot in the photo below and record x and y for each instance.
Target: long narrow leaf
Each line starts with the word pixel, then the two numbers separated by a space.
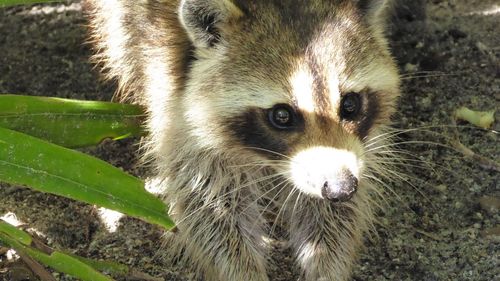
pixel 57 260
pixel 15 233
pixel 46 167
pixel 6 3
pixel 70 123
pixel 108 267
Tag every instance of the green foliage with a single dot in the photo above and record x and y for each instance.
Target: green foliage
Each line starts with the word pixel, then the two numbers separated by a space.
pixel 46 167
pixel 21 241
pixel 7 3
pixel 13 232
pixel 70 123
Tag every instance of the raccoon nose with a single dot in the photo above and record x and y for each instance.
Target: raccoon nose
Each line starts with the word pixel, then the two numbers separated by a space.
pixel 342 189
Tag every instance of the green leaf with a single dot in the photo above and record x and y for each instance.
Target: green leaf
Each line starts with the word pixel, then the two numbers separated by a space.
pixel 57 260
pixel 109 267
pixel 10 234
pixel 7 3
pixel 46 167
pixel 15 233
pixel 70 123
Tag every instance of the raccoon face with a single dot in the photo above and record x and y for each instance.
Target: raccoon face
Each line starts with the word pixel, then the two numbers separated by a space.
pixel 302 84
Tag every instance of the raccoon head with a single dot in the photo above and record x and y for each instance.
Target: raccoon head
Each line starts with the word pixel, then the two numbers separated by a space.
pixel 301 84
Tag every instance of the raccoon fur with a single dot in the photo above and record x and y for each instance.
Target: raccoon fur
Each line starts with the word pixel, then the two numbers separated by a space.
pixel 261 113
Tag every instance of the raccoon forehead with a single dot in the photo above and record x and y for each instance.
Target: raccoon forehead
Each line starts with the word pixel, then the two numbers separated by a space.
pixel 336 44
pixel 308 82
pixel 304 55
pixel 304 18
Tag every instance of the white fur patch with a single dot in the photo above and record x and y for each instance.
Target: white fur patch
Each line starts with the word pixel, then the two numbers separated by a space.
pixel 114 34
pixel 307 253
pixel 312 167
pixel 378 77
pixel 333 87
pixel 302 88
pixel 157 88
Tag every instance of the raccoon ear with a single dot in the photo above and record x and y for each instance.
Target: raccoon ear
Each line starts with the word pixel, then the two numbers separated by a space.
pixel 205 19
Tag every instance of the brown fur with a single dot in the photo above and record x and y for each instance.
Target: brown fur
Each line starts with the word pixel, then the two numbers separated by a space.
pixel 209 73
pixel 152 29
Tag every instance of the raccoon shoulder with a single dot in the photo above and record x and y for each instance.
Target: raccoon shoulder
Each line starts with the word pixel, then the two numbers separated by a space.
pixel 137 42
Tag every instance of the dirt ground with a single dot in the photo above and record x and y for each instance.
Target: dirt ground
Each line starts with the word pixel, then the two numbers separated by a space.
pixel 443 223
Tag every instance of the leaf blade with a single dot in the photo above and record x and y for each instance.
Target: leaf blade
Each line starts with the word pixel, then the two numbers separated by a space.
pixel 46 167
pixel 7 3
pixel 57 260
pixel 15 233
pixel 70 123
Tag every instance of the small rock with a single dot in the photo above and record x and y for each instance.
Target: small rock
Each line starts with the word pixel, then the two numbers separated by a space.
pixel 442 188
pixel 457 33
pixel 482 47
pixel 472 233
pixel 436 217
pixel 475 188
pixel 410 68
pixel 490 204
pixel 426 103
pixel 459 205
pixel 493 136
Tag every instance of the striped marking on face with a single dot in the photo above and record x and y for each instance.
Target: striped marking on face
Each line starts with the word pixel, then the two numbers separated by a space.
pixel 315 90
pixel 302 82
pixel 320 91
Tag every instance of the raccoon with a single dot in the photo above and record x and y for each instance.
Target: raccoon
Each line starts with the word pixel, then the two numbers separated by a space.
pixel 261 113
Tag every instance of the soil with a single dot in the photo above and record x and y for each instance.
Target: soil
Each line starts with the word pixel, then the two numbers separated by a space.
pixel 442 221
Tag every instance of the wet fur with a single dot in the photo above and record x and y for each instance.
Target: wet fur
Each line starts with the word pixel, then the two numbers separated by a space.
pixel 223 168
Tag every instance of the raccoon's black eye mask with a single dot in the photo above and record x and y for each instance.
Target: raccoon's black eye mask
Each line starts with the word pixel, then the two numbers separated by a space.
pixel 270 131
pixel 278 128
pixel 285 117
pixel 350 106
pixel 359 111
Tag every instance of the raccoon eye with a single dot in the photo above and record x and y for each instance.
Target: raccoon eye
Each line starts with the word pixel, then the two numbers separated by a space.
pixel 282 117
pixel 350 105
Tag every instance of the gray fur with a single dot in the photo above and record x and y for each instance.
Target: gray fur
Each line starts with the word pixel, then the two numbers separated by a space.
pixel 200 67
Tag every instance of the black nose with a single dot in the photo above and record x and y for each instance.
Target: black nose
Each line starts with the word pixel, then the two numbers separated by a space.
pixel 342 189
